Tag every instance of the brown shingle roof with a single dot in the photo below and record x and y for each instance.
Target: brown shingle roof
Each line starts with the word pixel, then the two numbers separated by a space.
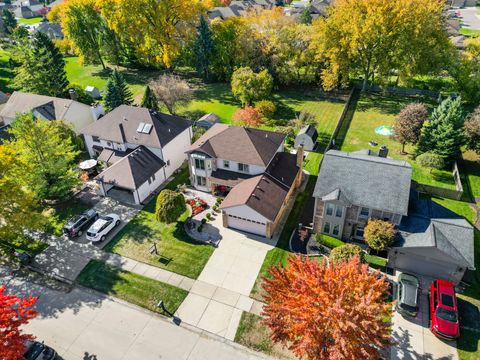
pixel 132 170
pixel 266 193
pixel 236 143
pixel 164 127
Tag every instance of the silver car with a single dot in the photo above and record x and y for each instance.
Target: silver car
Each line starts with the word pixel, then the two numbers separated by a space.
pixel 407 295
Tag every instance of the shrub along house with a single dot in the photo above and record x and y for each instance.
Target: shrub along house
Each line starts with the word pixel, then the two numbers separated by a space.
pixel 248 165
pixel 141 149
pixel 354 187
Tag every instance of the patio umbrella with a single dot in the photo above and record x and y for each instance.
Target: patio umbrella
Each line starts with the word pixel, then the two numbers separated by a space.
pixel 87 164
pixel 384 130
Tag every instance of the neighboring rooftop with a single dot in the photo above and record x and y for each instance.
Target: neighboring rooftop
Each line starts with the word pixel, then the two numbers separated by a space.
pixel 309 130
pixel 141 126
pixel 20 102
pixel 430 225
pixel 133 169
pixel 241 144
pixel 365 180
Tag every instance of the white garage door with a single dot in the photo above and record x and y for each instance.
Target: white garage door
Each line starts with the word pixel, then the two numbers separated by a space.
pixel 423 266
pixel 247 225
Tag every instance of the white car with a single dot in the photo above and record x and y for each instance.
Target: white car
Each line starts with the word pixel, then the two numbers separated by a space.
pixel 101 227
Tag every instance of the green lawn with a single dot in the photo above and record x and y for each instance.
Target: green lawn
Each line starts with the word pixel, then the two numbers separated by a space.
pixel 134 288
pixel 255 335
pixel 31 21
pixel 312 163
pixel 469 32
pixel 6 74
pixel 31 246
pixel 178 253
pixel 374 110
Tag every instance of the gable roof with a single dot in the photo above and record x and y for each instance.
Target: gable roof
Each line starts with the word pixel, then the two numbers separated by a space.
pixel 164 127
pixel 52 30
pixel 20 102
pixel 310 131
pixel 132 170
pixel 430 225
pixel 366 180
pixel 241 144
pixel 266 193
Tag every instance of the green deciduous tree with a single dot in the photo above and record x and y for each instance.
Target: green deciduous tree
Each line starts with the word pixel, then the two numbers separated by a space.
pixel 203 48
pixel 248 86
pixel 379 234
pixel 170 205
pixel 45 156
pixel 117 92
pixel 443 134
pixel 149 100
pixel 266 107
pixel 41 67
pixel 346 252
pixel 430 161
pixel 305 16
pixel 466 71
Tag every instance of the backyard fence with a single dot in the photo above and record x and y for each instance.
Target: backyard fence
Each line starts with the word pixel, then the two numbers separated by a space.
pixel 343 121
pixel 399 91
pixel 455 194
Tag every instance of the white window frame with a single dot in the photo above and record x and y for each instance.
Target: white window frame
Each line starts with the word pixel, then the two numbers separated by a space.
pixel 336 226
pixel 200 161
pixel 226 164
pixel 326 225
pixel 360 215
pixel 244 168
pixel 330 206
pixel 339 207
pixel 202 182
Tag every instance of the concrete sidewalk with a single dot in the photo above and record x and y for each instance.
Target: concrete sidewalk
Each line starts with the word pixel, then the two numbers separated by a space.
pixel 87 325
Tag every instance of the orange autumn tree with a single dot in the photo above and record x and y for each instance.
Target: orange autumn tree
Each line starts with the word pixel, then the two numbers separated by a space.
pixel 14 312
pixel 248 116
pixel 327 311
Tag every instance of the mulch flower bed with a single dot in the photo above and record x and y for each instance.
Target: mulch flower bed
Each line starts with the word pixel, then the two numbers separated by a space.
pixel 197 205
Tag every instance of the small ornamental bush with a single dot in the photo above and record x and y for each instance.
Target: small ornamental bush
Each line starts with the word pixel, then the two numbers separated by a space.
pixel 170 205
pixel 209 216
pixel 431 161
pixel 204 221
pixel 379 234
pixel 267 108
pixel 343 253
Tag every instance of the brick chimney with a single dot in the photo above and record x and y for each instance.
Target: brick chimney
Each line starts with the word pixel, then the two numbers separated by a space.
pixel 122 133
pixel 300 154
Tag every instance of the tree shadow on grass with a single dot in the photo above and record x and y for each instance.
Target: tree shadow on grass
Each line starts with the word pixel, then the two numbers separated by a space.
pixel 389 104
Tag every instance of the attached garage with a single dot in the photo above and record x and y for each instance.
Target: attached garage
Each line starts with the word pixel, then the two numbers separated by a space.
pixel 247 225
pixel 430 265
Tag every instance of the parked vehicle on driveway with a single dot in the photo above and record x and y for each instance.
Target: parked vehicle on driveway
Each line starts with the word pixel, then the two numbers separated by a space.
pixel 444 321
pixel 407 295
pixel 77 224
pixel 101 227
pixel 38 351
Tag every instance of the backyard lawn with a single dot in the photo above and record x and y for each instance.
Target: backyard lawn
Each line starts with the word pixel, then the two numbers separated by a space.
pixel 375 110
pixel 177 252
pixel 31 21
pixel 134 288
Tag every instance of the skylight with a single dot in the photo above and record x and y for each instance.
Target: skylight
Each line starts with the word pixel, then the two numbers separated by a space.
pixel 144 128
pixel 140 127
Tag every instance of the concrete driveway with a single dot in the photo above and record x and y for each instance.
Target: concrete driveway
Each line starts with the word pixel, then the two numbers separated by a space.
pixel 413 338
pixel 221 293
pixel 64 259
pixel 469 17
pixel 85 325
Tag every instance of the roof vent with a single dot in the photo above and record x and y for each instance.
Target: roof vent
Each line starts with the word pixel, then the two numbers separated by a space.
pixel 169 130
pixel 266 135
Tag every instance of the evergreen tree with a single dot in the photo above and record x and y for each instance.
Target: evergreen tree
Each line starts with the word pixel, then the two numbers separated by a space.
pixel 443 134
pixel 203 48
pixel 306 16
pixel 117 91
pixel 149 100
pixel 9 21
pixel 41 68
pixel 112 97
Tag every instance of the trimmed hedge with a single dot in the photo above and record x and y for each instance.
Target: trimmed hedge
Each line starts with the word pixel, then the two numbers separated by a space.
pixel 170 205
pixel 329 241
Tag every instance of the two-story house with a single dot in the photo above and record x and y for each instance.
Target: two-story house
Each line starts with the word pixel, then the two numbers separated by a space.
pixel 140 147
pixel 357 186
pixel 354 187
pixel 252 167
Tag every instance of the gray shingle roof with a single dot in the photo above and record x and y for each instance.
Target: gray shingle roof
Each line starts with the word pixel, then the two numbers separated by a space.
pixel 366 180
pixel 164 127
pixel 309 130
pixel 430 225
pixel 132 170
